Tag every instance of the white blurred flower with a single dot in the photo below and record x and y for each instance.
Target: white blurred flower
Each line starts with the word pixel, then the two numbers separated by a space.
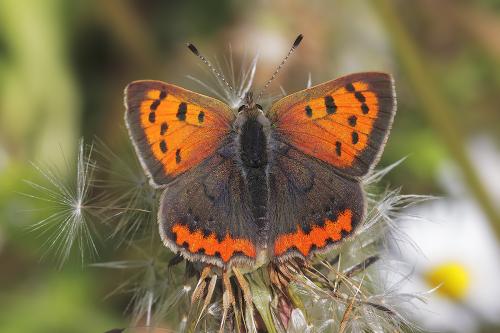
pixel 454 249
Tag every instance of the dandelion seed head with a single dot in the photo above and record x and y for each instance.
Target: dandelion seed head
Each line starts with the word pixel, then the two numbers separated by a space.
pixel 68 222
pixel 77 209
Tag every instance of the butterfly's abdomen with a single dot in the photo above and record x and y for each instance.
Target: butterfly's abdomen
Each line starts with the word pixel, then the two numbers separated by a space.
pixel 254 158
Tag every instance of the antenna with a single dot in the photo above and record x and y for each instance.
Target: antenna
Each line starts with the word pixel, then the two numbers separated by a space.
pixel 221 77
pixel 294 46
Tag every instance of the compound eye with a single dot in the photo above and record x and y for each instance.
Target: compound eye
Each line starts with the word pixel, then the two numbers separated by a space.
pixel 241 108
pixel 259 106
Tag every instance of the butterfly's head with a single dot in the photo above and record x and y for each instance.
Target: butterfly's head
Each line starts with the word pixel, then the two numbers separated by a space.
pixel 251 113
pixel 249 107
pixel 249 99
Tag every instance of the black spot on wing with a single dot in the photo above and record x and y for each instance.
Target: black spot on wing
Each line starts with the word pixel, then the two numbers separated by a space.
pixel 338 148
pixel 182 111
pixel 364 108
pixel 331 108
pixel 152 117
pixel 349 87
pixel 163 94
pixel 359 96
pixel 155 105
pixel 309 111
pixel 163 128
pixel 306 228
pixel 354 137
pixel 352 120
pixel 201 116
pixel 163 146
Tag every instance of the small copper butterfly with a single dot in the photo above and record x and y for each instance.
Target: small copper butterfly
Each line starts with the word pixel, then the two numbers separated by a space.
pixel 250 184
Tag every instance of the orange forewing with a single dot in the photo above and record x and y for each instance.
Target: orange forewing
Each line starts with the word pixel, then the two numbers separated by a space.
pixel 173 129
pixel 332 129
pixel 342 122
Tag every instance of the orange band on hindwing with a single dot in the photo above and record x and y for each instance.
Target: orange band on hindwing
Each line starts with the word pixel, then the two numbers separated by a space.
pixel 197 243
pixel 318 237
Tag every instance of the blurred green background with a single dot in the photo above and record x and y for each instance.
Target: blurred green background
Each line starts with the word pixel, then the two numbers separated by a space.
pixel 64 65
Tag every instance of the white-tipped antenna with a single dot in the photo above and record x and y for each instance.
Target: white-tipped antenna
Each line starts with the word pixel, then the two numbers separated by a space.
pixel 221 77
pixel 294 46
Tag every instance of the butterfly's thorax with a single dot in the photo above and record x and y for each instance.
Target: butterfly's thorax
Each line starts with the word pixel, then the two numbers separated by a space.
pixel 253 141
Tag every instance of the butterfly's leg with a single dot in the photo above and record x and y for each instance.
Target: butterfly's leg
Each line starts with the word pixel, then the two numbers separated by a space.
pixel 245 288
pixel 247 295
pixel 200 286
pixel 278 278
pixel 227 298
pixel 208 298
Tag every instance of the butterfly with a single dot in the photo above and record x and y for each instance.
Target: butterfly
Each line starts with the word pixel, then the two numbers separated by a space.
pixel 247 185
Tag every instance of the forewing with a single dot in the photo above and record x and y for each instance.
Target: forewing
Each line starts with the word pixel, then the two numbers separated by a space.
pixel 344 122
pixel 173 129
